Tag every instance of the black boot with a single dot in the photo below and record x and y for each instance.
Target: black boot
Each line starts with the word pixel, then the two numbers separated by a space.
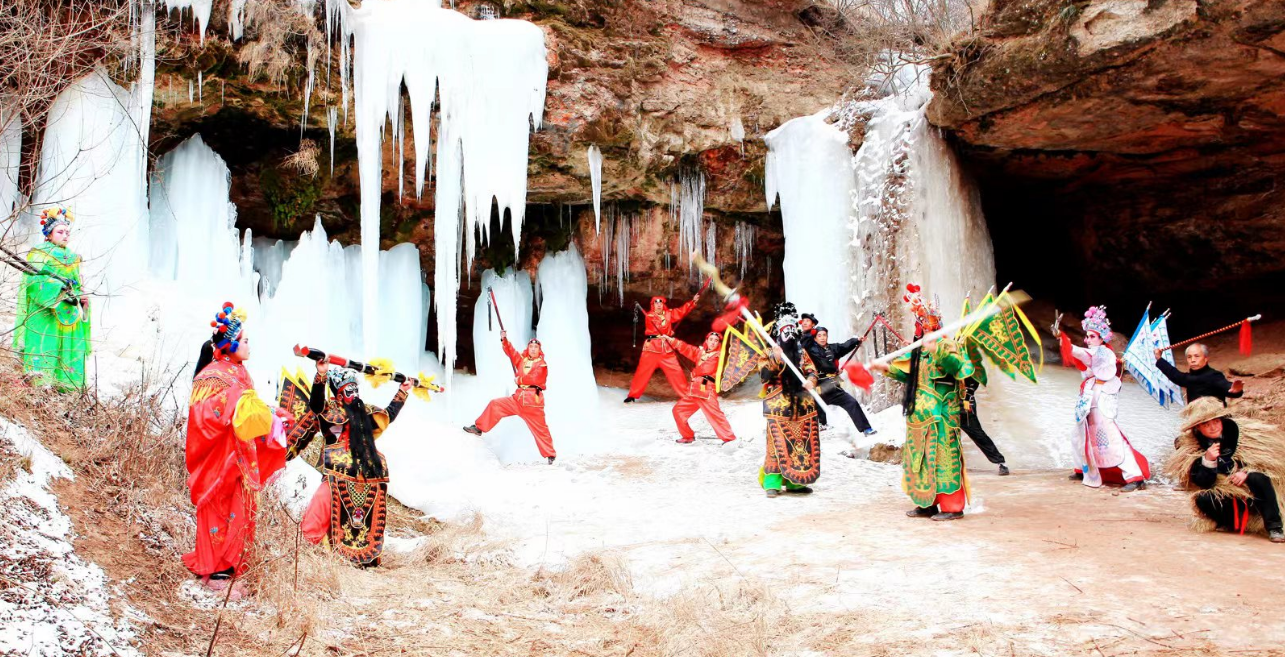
pixel 1003 470
pixel 922 512
pixel 772 492
pixel 551 459
pixel 956 515
pixel 1132 486
pixel 1276 535
pixel 630 400
pixel 472 428
pixel 1076 476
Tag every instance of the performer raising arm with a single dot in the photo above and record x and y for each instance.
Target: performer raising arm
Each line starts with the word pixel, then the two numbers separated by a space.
pixel 701 394
pixel 530 372
pixel 350 509
pixel 657 351
pixel 1104 451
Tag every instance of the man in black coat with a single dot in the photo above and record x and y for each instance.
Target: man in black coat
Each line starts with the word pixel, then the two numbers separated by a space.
pixel 1200 380
pixel 826 358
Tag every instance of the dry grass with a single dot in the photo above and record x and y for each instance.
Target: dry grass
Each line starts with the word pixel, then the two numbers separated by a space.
pixel 304 160
pixel 279 40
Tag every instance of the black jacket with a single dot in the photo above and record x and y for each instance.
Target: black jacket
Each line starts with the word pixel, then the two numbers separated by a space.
pixel 1206 477
pixel 1204 382
pixel 827 358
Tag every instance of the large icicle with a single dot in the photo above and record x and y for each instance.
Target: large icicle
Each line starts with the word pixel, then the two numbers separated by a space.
pixel 809 167
pixel 595 179
pixel 492 80
pixel 687 205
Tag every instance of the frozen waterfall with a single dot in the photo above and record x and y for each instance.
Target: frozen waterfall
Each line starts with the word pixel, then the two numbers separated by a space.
pixel 809 167
pixel 571 403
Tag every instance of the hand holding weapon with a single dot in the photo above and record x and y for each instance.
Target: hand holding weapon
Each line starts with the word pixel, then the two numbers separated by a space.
pixel 378 371
pixel 500 319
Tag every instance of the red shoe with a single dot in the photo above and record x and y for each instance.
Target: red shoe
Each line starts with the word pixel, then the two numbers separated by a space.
pixel 685 441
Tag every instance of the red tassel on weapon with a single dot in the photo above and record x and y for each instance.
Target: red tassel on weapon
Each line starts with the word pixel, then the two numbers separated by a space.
pixel 859 375
pixel 731 314
pixel 1246 340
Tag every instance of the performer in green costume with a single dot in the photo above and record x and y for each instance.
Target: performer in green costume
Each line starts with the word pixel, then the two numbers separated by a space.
pixel 52 327
pixel 932 460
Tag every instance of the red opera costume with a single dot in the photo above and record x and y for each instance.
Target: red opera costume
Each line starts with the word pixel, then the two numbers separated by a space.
pixel 701 393
pixel 657 351
pixel 235 447
pixel 531 374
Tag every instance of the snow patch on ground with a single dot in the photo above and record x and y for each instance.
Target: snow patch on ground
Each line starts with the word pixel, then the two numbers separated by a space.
pixel 52 602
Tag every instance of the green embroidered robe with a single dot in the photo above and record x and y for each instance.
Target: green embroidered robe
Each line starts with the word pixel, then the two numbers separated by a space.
pixel 932 461
pixel 52 331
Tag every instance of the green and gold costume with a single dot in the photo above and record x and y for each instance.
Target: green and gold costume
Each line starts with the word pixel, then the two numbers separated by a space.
pixel 52 329
pixel 793 458
pixel 931 460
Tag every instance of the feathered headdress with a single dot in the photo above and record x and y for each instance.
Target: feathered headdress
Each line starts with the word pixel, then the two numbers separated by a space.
pixel 54 217
pixel 227 326
pixel 927 316
pixel 1095 319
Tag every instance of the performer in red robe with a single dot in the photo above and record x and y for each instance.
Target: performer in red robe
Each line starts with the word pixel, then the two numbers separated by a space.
pixel 701 394
pixel 657 351
pixel 530 372
pixel 235 447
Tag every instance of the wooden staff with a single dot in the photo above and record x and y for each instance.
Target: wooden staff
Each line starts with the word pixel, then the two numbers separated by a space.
pixel 368 369
pixel 1242 324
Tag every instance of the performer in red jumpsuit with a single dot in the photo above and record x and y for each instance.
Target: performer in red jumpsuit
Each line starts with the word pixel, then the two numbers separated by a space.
pixel 701 394
pixel 530 373
pixel 657 351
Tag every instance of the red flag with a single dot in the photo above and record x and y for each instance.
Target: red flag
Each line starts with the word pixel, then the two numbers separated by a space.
pixel 1246 339
pixel 732 314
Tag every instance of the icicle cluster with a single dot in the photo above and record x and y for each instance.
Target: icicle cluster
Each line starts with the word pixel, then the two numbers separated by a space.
pixel 491 77
pixel 615 239
pixel 10 157
pixel 743 242
pixel 687 211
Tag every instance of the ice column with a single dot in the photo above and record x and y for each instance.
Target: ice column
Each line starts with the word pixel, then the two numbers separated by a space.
pixel 809 167
pixel 571 403
pixel 513 294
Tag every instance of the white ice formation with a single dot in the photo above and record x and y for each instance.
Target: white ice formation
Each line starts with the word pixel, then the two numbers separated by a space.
pixel 809 167
pixel 10 158
pixel 595 179
pixel 491 75
pixel 562 289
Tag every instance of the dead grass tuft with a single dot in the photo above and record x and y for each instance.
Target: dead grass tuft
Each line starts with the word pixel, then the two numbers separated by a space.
pixel 305 159
pixel 279 37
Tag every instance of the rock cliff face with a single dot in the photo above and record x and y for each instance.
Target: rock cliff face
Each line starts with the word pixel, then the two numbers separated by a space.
pixel 1137 143
pixel 658 85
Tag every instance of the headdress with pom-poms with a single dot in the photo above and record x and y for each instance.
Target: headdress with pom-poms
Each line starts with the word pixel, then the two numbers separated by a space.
pixel 1095 319
pixel 927 316
pixel 227 329
pixel 54 217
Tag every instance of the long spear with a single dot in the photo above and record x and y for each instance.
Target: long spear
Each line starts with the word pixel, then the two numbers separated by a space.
pixel 1245 344
pixel 734 300
pixel 377 372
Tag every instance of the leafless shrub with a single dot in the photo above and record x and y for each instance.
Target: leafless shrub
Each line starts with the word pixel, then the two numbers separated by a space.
pixel 46 45
pixel 883 36
pixel 305 159
pixel 279 37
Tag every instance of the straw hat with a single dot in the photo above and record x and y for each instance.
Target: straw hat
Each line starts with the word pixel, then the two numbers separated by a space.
pixel 1203 410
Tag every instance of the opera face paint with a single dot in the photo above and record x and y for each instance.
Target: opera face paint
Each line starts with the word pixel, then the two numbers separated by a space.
pixel 60 235
pixel 1092 339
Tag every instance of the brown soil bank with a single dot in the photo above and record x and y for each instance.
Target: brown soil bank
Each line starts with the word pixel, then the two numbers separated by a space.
pixel 1138 144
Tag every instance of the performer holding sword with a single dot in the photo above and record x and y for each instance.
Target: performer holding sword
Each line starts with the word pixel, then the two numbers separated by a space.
pixel 530 373
pixel 657 351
